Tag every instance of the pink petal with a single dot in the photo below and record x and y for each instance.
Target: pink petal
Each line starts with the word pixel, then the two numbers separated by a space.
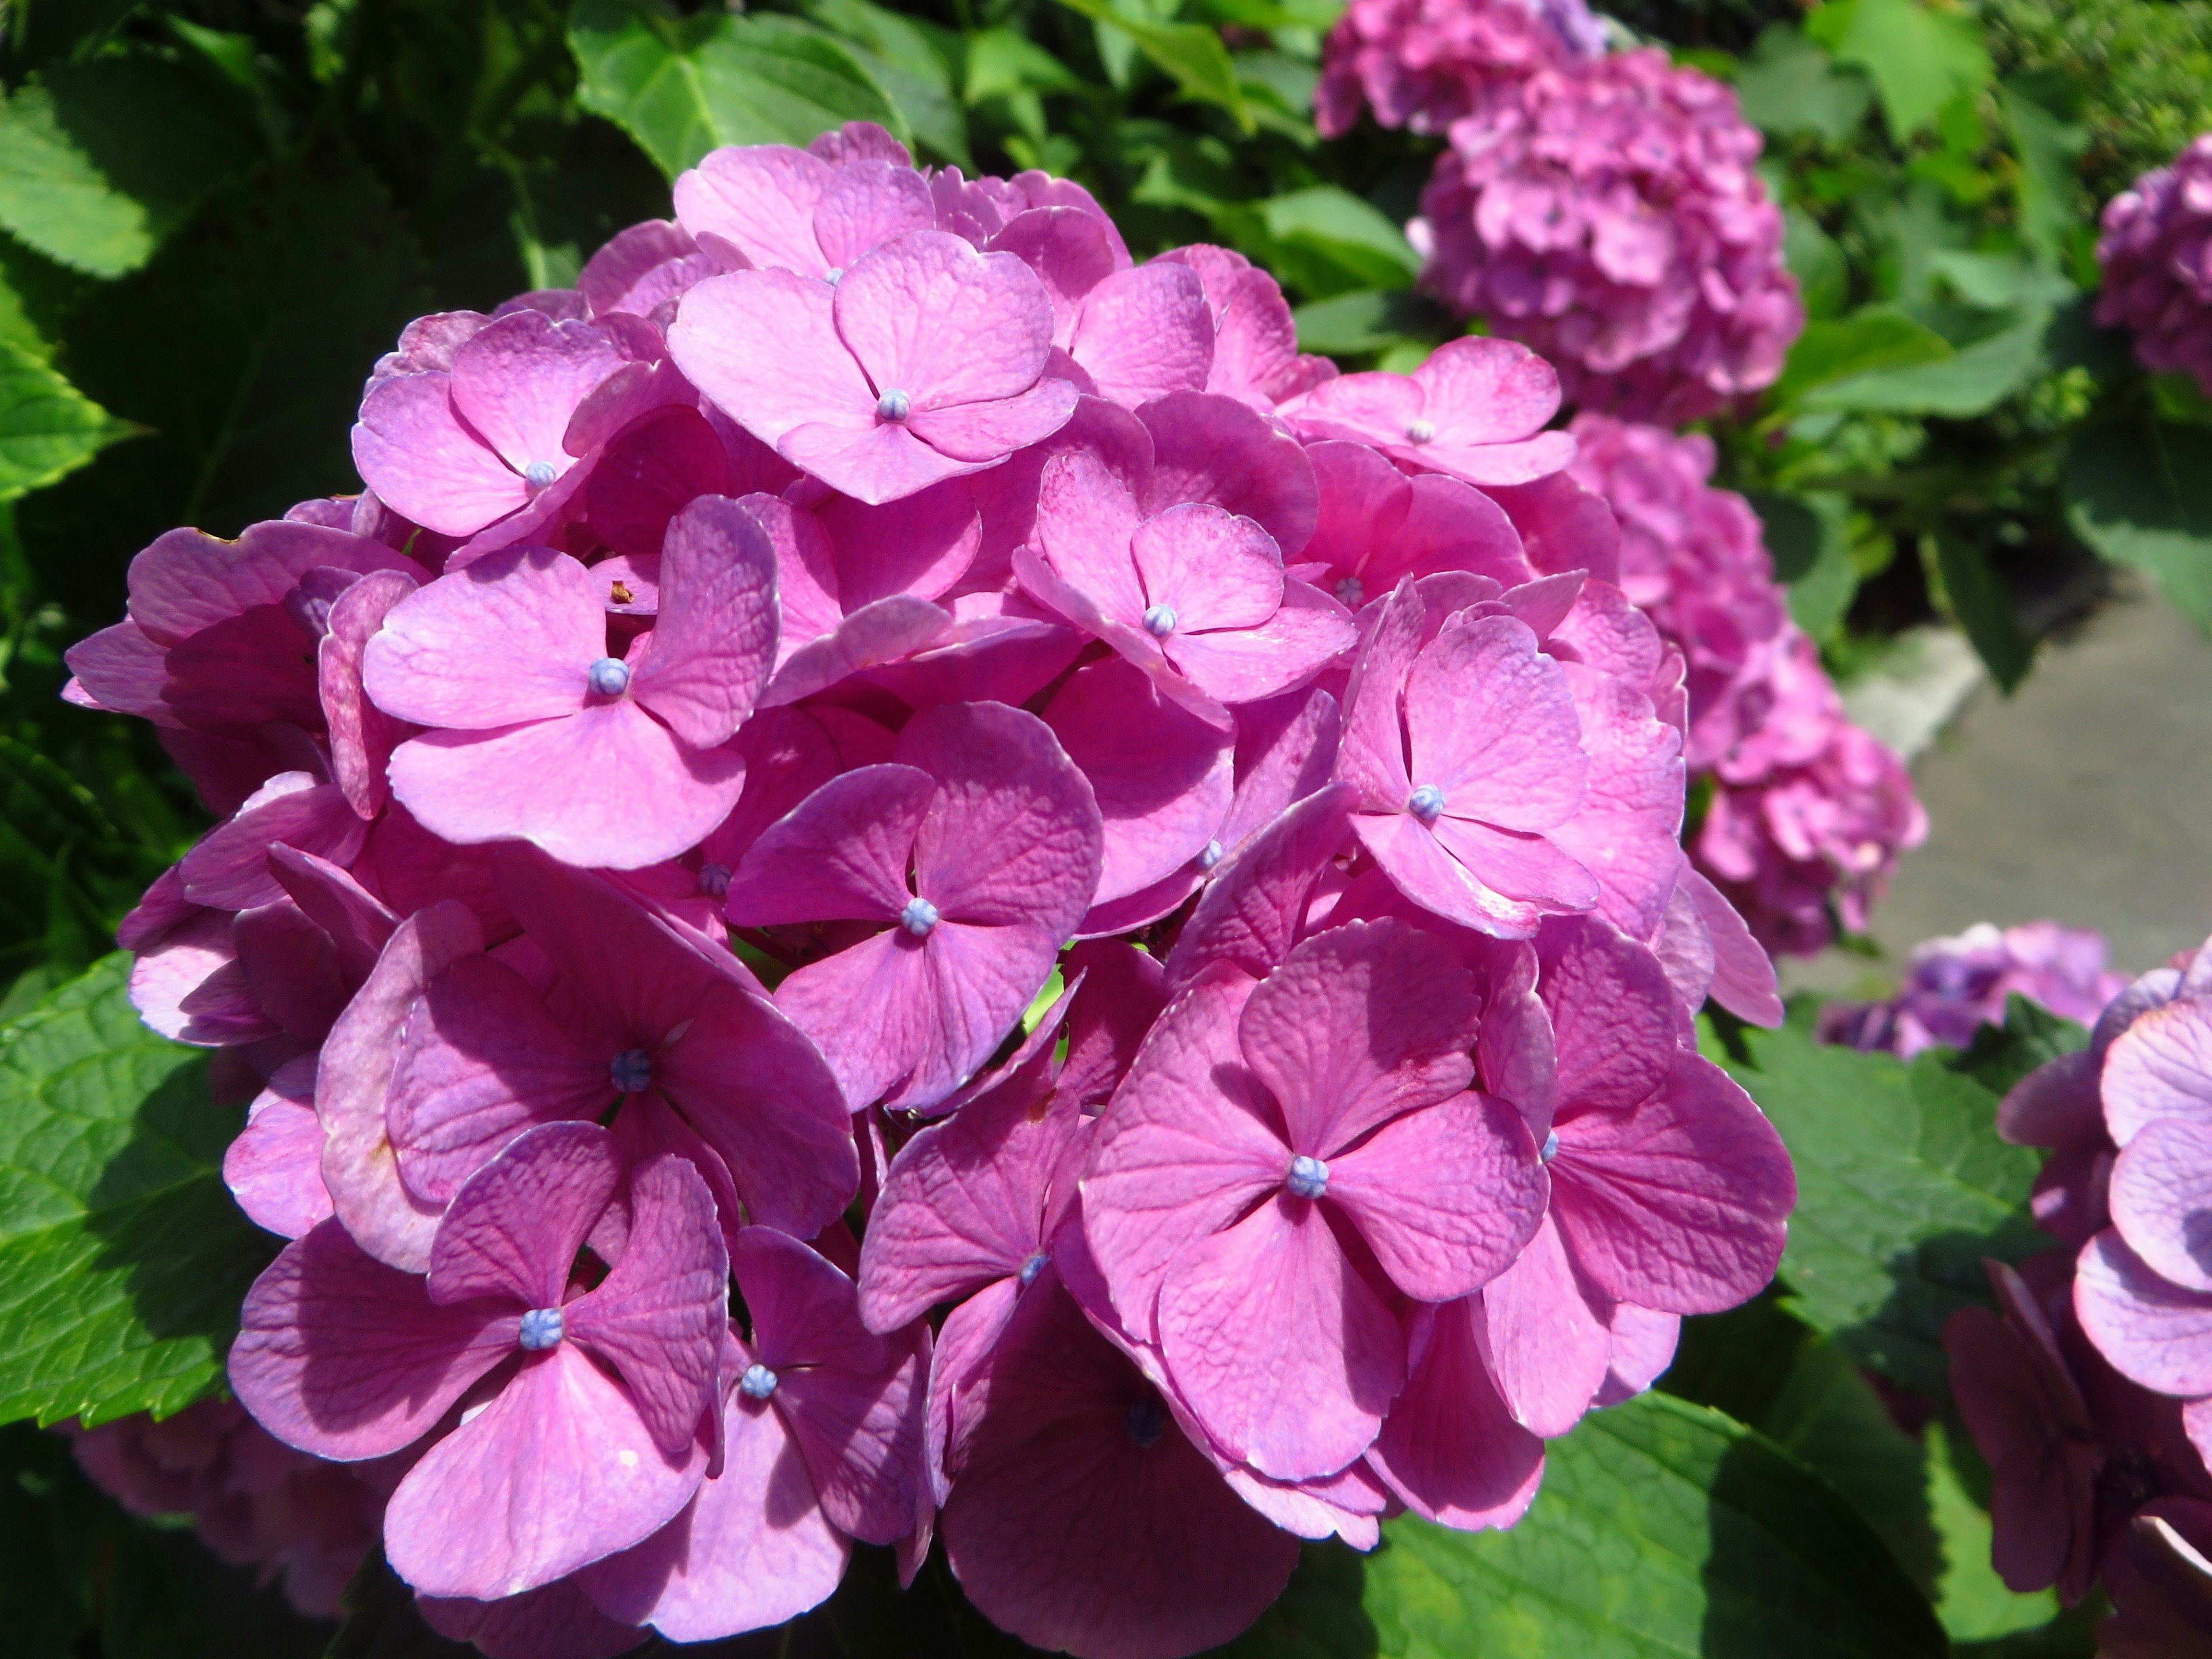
pixel 889 631
pixel 1122 992
pixel 866 204
pixel 341 1356
pixel 1358 1024
pixel 1643 1346
pixel 360 1165
pixel 411 448
pixel 1450 1450
pixel 1547 1337
pixel 661 1315
pixel 554 1473
pixel 1524 867
pixel 1678 1204
pixel 511 638
pixel 2160 1066
pixel 752 1550
pixel 573 786
pixel 1209 448
pixel 929 316
pixel 1247 665
pixel 2161 1193
pixel 2155 1332
pixel 1214 569
pixel 229 868
pixel 1177 1159
pixel 761 200
pixel 1252 914
pixel 716 638
pixel 762 345
pixel 881 461
pixel 841 855
pixel 513 1230
pixel 922 545
pixel 1086 520
pixel 1486 391
pixel 274 1168
pixel 1144 333
pixel 362 736
pixel 645 477
pixel 1414 859
pixel 518 379
pixel 1743 973
pixel 1279 1345
pixel 1491 722
pixel 1627 831
pixel 979 434
pixel 1446 1196
pixel 1069 251
pixel 1373 756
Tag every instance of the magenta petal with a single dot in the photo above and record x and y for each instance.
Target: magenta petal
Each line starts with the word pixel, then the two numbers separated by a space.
pixel 1743 973
pixel 513 1228
pixel 1144 332
pixel 554 1473
pixel 517 381
pixel 341 1356
pixel 1612 1012
pixel 360 1165
pixel 481 1059
pixel 752 1550
pixel 1643 1347
pixel 1678 1204
pixel 573 786
pixel 716 638
pixel 841 855
pixel 121 669
pixel 555 1622
pixel 362 736
pixel 2155 1332
pixel 866 204
pixel 1491 723
pixel 513 637
pixel 761 1094
pixel 411 448
pixel 1215 569
pixel 1360 1023
pixel 1251 915
pixel 1418 866
pixel 1373 754
pixel 2160 1196
pixel 1237 666
pixel 228 869
pixel 947 326
pixel 885 631
pixel 1209 448
pixel 1279 1345
pixel 1549 1347
pixel 1449 1449
pixel 661 1314
pixel 274 1168
pixel 1446 1196
pixel 1085 518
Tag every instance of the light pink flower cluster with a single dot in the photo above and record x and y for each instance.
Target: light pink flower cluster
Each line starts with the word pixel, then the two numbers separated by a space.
pixel 1808 811
pixel 1424 63
pixel 1953 986
pixel 655 814
pixel 2092 1394
pixel 1609 214
pixel 252 1499
pixel 2156 253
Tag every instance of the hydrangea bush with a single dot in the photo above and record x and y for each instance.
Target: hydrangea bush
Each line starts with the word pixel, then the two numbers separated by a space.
pixel 1806 812
pixel 898 880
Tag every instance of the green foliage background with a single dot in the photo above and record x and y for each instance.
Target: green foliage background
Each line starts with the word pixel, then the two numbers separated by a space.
pixel 215 214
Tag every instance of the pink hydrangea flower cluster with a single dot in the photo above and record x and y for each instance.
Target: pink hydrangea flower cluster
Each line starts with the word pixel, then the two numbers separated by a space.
pixel 253 1500
pixel 655 814
pixel 2091 1394
pixel 2156 253
pixel 1808 811
pixel 1955 986
pixel 1607 212
pixel 1424 63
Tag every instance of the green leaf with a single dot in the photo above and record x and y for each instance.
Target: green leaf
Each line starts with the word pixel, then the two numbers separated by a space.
pixel 1327 241
pixel 1807 536
pixel 2032 1036
pixel 898 55
pixel 100 160
pixel 48 428
pixel 1817 262
pixel 1982 606
pixel 1190 54
pixel 1972 1601
pixel 683 86
pixel 1663 1527
pixel 1788 86
pixel 2049 185
pixel 1920 58
pixel 2140 493
pixel 1870 339
pixel 1903 1187
pixel 1369 320
pixel 122 1259
pixel 66 877
pixel 1973 380
pixel 1998 282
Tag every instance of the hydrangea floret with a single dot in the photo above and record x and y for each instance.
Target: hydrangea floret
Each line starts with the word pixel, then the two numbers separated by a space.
pixel 900 880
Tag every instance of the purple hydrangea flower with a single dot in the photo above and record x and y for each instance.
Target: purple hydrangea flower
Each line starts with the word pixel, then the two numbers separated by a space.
pixel 2156 253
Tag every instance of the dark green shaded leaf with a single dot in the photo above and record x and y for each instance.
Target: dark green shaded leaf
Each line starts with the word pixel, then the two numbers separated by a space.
pixel 2032 1036
pixel 1663 1527
pixel 66 875
pixel 1190 54
pixel 48 428
pixel 1805 534
pixel 1790 86
pixel 100 160
pixel 1970 1599
pixel 1973 380
pixel 122 1259
pixel 683 86
pixel 1818 264
pixel 1903 1187
pixel 1983 607
pixel 2050 149
pixel 898 55
pixel 1869 340
pixel 2140 493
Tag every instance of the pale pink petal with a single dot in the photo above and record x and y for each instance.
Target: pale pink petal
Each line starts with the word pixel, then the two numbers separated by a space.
pixel 876 461
pixel 1144 333
pixel 518 379
pixel 760 199
pixel 411 448
pixel 866 204
pixel 1086 517
pixel 929 316
pixel 1248 665
pixel 513 637
pixel 362 736
pixel 274 1168
pixel 1212 569
pixel 1491 721
pixel 1251 914
pixel 1527 867
pixel 762 346
pixel 1546 1336
pixel 2155 1332
pixel 889 631
pixel 1418 865
pixel 2160 1066
pixel 2161 1199
pixel 979 434
pixel 715 640
pixel 841 855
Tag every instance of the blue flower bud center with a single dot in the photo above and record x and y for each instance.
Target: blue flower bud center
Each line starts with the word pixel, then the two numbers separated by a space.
pixel 757 1383
pixel 894 405
pixel 1420 432
pixel 1212 856
pixel 609 676
pixel 918 917
pixel 834 275
pixel 1033 1266
pixel 715 880
pixel 1160 621
pixel 1551 1146
pixel 1309 1177
pixel 541 1329
pixel 1426 803
pixel 1147 1420
pixel 631 1071
pixel 538 474
pixel 1351 592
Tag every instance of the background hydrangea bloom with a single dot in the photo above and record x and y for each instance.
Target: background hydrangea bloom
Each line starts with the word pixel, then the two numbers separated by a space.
pixel 2156 253
pixel 1423 64
pixel 1954 985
